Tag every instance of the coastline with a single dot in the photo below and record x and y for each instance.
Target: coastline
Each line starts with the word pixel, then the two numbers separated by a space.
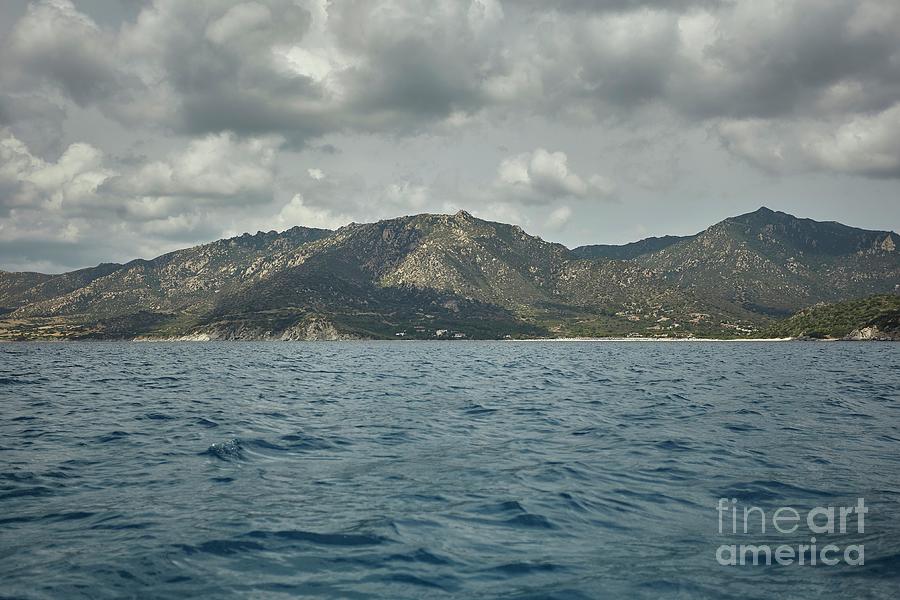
pixel 207 338
pixel 203 338
pixel 659 339
pixel 191 338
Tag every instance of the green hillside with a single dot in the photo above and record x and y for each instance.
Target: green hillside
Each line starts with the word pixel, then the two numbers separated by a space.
pixel 840 319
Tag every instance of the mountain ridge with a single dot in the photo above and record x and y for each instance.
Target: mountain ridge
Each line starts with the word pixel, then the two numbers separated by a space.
pixel 418 275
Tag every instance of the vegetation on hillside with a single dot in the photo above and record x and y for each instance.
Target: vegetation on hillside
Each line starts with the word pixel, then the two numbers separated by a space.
pixel 456 276
pixel 840 319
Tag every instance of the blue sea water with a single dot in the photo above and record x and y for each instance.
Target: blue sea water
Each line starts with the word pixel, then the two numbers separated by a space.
pixel 433 470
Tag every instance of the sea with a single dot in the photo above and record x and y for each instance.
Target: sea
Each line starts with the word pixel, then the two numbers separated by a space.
pixel 449 469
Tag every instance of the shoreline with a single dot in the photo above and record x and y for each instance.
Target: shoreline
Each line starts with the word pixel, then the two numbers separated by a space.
pixel 660 339
pixel 199 339
pixel 204 338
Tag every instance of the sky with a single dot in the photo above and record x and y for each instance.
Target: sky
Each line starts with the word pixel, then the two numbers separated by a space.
pixel 133 128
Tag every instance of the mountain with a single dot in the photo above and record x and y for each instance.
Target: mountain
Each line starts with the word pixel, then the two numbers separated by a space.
pixel 427 276
pixel 18 289
pixel 875 317
pixel 14 286
pixel 771 263
pixel 628 251
pixel 184 280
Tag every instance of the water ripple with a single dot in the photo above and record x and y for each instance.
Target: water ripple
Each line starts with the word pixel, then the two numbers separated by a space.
pixel 410 470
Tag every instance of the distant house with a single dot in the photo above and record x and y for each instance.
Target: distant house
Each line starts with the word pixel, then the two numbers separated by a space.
pixel 400 334
pixel 440 333
pixel 459 335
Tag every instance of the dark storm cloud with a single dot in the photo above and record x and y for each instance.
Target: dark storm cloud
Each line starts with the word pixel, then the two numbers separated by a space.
pixel 415 83
pixel 54 42
pixel 219 71
pixel 34 119
pixel 257 68
pixel 787 65
pixel 744 60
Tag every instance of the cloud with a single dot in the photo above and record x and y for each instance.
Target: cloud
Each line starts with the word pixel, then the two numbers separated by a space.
pixel 87 207
pixel 612 6
pixel 404 196
pixel 237 20
pixel 31 183
pixel 34 119
pixel 297 212
pixel 352 198
pixel 110 209
pixel 47 207
pixel 867 145
pixel 56 43
pixel 303 70
pixel 222 184
pixel 541 177
pixel 214 167
pixel 297 70
pixel 338 200
pixel 216 170
pixel 232 112
pixel 559 217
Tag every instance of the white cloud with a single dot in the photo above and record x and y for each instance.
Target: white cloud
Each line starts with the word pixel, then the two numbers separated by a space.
pixel 238 19
pixel 559 217
pixel 405 195
pixel 216 166
pixel 503 212
pixel 70 183
pixel 866 145
pixel 315 65
pixel 542 177
pixel 81 201
pixel 297 212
